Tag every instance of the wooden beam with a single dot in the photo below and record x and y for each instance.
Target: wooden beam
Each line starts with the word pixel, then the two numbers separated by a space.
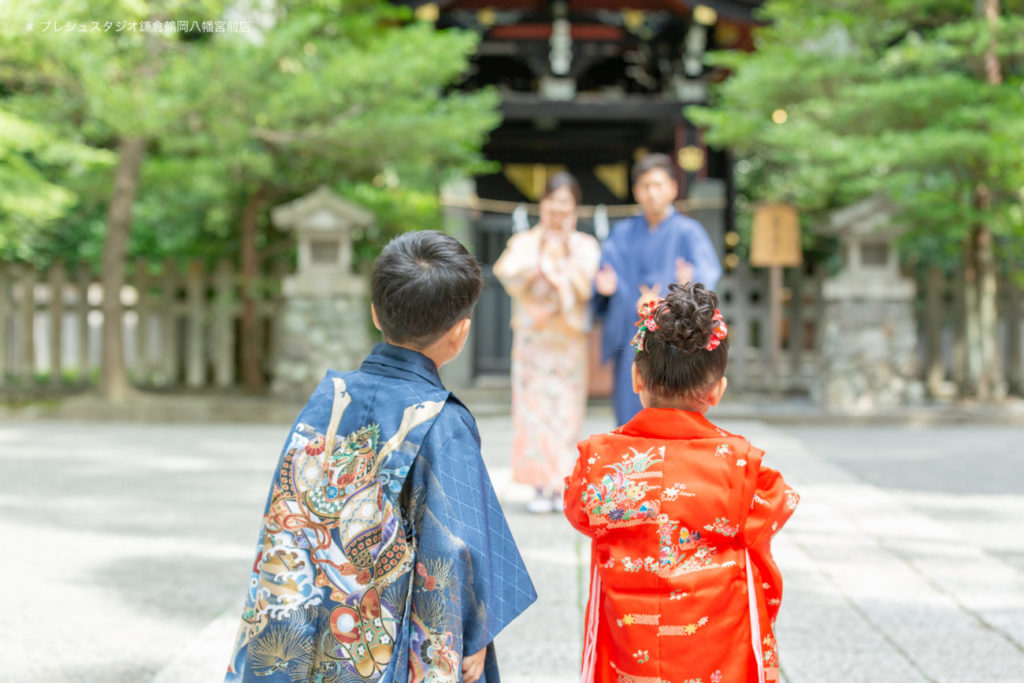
pixel 599 33
pixel 520 106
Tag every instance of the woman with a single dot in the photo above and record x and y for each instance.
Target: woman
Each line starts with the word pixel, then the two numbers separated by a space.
pixel 548 271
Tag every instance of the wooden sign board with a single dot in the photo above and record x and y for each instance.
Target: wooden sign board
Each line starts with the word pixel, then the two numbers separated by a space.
pixel 776 236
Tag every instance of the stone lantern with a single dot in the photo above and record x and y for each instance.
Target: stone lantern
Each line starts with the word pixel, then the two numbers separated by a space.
pixel 868 347
pixel 325 314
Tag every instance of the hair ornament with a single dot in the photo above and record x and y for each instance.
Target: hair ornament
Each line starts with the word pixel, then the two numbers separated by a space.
pixel 718 332
pixel 647 323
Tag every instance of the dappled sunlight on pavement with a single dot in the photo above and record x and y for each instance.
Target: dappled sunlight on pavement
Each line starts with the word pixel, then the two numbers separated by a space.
pixel 132 543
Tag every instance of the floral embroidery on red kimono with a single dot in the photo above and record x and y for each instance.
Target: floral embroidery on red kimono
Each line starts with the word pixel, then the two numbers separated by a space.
pixel 681 514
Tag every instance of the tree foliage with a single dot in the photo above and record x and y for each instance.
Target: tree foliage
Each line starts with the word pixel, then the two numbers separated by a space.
pixel 207 128
pixel 38 168
pixel 881 96
pixel 916 100
pixel 353 94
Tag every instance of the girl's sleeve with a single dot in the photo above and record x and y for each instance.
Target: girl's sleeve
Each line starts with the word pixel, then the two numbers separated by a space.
pixel 575 486
pixel 772 505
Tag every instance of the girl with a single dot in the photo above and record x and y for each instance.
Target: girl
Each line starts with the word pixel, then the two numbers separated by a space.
pixel 548 272
pixel 681 513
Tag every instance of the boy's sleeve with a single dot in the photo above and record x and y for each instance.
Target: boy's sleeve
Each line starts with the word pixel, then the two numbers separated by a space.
pixel 772 505
pixel 706 267
pixel 470 580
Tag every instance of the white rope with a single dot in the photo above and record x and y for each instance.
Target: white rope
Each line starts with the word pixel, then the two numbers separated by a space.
pixel 583 210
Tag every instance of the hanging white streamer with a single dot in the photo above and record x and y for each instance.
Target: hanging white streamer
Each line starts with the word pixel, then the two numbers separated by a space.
pixel 601 228
pixel 520 219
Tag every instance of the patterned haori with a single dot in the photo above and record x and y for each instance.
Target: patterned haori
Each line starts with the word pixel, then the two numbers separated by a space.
pixel 384 554
pixel 681 514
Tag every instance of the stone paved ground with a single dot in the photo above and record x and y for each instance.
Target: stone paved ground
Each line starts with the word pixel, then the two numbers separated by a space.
pixel 128 547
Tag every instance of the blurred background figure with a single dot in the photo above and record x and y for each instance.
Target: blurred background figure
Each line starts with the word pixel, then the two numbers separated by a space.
pixel 643 256
pixel 548 271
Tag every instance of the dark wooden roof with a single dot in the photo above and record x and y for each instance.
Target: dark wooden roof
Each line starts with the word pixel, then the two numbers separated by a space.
pixel 735 10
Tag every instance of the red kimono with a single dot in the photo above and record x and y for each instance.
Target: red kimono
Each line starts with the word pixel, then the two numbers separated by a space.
pixel 683 586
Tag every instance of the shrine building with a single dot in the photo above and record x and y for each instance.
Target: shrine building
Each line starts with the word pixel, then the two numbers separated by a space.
pixel 588 86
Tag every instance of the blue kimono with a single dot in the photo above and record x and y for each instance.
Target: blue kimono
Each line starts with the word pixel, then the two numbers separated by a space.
pixel 641 256
pixel 384 555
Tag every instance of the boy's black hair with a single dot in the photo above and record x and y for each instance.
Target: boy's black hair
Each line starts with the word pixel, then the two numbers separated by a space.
pixel 652 162
pixel 423 283
pixel 675 361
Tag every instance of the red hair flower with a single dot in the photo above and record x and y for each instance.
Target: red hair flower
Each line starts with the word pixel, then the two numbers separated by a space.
pixel 718 332
pixel 647 323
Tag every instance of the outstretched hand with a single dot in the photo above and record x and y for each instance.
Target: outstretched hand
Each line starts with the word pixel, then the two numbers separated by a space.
pixel 684 271
pixel 648 294
pixel 606 281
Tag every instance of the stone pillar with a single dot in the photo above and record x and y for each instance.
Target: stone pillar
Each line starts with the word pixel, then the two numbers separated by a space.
pixel 324 319
pixel 868 351
pixel 458 222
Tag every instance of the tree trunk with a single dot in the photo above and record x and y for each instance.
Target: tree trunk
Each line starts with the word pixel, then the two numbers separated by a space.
pixel 935 373
pixel 993 69
pixel 251 332
pixel 990 383
pixel 131 151
pixel 1015 361
pixel 971 320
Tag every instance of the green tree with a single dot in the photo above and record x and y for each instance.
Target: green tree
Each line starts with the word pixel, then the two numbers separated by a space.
pixel 102 87
pixel 335 93
pixel 30 155
pixel 915 99
pixel 207 129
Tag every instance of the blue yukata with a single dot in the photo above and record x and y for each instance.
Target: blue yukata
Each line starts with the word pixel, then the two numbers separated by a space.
pixel 641 256
pixel 384 554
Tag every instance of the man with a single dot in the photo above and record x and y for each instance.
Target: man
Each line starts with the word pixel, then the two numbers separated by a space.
pixel 642 256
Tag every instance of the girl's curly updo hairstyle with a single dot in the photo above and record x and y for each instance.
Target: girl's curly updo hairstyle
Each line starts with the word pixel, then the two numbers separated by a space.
pixel 675 361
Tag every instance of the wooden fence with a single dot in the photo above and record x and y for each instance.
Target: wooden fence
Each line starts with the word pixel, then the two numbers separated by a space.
pixel 940 310
pixel 180 327
pixel 743 297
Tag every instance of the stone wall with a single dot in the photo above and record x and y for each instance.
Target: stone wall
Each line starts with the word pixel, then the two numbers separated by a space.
pixel 868 360
pixel 315 334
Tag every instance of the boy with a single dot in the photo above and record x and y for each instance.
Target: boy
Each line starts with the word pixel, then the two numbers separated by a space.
pixel 384 554
pixel 642 256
